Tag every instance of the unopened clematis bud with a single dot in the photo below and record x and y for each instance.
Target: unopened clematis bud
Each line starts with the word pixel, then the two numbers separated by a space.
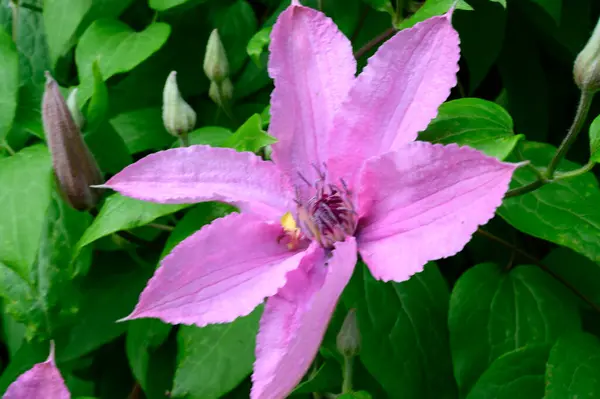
pixel 78 117
pixel 216 65
pixel 74 165
pixel 348 339
pixel 221 93
pixel 586 70
pixel 178 117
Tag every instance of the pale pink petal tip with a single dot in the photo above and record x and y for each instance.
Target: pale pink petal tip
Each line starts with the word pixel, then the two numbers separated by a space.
pixel 43 380
pixel 424 202
pixel 219 273
pixel 296 3
pixel 295 320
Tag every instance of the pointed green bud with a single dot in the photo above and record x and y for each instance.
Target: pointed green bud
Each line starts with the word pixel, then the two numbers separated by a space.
pixel 221 93
pixel 178 117
pixel 78 117
pixel 216 65
pixel 74 165
pixel 348 339
pixel 586 70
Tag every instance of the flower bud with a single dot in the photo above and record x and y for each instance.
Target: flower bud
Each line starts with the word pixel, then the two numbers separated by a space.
pixel 78 117
pixel 348 339
pixel 178 117
pixel 216 65
pixel 586 70
pixel 221 93
pixel 74 165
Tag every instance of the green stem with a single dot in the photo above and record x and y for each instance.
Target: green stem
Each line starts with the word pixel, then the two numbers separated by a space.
pixel 585 101
pixel 320 5
pixel 8 148
pixel 576 172
pixel 184 139
pixel 374 42
pixel 348 371
pixel 515 192
pixel 159 226
pixel 15 19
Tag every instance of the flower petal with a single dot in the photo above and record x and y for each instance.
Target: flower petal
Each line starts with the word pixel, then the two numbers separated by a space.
pixel 219 273
pixel 202 173
pixel 295 320
pixel 43 380
pixel 396 95
pixel 313 68
pixel 423 202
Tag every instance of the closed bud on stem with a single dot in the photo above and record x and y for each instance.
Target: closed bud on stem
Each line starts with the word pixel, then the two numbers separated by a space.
pixel 348 339
pixel 221 93
pixel 216 65
pixel 74 165
pixel 78 117
pixel 178 117
pixel 586 70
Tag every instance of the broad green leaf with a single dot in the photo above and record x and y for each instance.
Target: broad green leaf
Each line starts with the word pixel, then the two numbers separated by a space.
pixel 111 290
pixel 516 375
pixel 117 48
pixel 9 83
pixel 481 38
pixel 381 5
pixel 250 136
pixel 98 106
pixel 493 312
pixel 432 8
pixel 477 123
pixel 576 270
pixel 215 136
pixel 162 5
pixel 326 378
pixel 404 333
pixel 108 148
pixel 123 213
pixel 257 45
pixel 143 337
pixel 214 359
pixel 572 370
pixel 25 181
pixel 61 20
pixel 32 47
pixel 552 7
pixel 13 332
pixel 565 212
pixel 142 130
pixel 595 140
pixel 236 23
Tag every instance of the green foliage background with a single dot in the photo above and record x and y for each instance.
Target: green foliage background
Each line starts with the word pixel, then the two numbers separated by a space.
pixel 516 314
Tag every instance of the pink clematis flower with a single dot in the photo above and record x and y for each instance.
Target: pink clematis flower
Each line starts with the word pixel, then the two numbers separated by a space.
pixel 43 380
pixel 347 176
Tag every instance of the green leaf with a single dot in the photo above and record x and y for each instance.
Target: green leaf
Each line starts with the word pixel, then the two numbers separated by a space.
pixel 481 37
pixel 28 355
pixel 516 375
pixel 565 212
pixel 236 24
pixel 326 378
pixel 477 123
pixel 572 370
pixel 404 333
pixel 215 136
pixel 552 7
pixel 9 83
pixel 162 5
pixel 123 213
pixel 61 20
pixel 355 395
pixel 257 45
pixel 432 8
pixel 493 312
pixel 142 130
pixel 214 359
pixel 98 106
pixel 143 337
pixel 117 48
pixel 250 136
pixel 381 5
pixel 25 179
pixel 595 140
pixel 111 290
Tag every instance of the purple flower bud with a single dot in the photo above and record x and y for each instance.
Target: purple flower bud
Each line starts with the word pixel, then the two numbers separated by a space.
pixel 74 165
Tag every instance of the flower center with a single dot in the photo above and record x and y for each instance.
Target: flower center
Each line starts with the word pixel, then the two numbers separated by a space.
pixel 329 215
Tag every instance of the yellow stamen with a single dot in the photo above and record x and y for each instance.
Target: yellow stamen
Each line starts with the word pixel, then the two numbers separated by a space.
pixel 289 226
